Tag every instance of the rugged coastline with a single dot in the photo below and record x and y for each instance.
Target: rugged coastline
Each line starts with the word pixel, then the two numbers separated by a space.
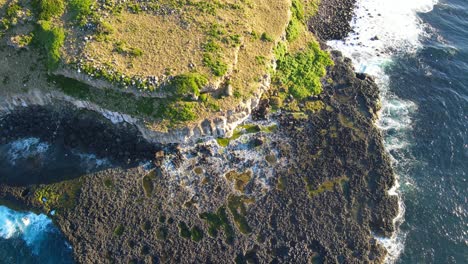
pixel 293 186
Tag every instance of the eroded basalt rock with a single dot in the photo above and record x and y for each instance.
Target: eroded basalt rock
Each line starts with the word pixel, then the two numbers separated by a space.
pixel 277 217
pixel 332 21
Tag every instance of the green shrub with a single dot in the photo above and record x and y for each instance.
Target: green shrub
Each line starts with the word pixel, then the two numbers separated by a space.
pixel 266 37
pixel 297 23
pixel 280 50
pixel 203 97
pixel 216 31
pixel 177 112
pixel 103 30
pixel 297 9
pixel 217 67
pixel 294 29
pixel 211 46
pixel 51 39
pixel 234 40
pixel 12 10
pixel 186 85
pixel 301 72
pixel 136 52
pixel 48 9
pixel 80 9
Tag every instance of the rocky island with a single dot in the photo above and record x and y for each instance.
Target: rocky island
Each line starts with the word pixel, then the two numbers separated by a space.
pixel 230 132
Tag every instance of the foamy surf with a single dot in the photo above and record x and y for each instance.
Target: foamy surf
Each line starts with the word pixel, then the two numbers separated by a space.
pixel 26 148
pixel 383 30
pixel 30 227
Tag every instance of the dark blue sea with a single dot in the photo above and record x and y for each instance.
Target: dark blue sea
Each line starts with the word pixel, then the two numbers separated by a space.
pixel 435 186
pixel 420 62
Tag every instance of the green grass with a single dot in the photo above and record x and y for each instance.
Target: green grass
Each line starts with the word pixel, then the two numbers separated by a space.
pixel 294 29
pixel 48 9
pixel 239 131
pixel 216 65
pixel 187 85
pixel 280 50
pixel 177 112
pixel 301 73
pixel 168 109
pixel 51 39
pixel 297 24
pixel 80 9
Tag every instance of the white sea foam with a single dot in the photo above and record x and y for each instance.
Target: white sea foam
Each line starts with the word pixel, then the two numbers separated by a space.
pixel 26 148
pixel 30 227
pixel 383 29
pixel 91 161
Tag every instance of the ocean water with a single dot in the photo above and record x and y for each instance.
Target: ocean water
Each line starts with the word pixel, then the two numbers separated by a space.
pixel 31 238
pixel 417 51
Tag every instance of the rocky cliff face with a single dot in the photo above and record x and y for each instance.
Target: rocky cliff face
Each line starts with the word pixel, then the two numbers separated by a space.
pixel 220 125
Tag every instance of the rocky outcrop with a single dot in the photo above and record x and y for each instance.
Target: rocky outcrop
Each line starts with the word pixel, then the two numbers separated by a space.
pixel 220 125
pixel 317 191
pixel 332 21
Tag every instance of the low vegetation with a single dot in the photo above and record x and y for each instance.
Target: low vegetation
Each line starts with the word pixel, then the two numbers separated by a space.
pixel 119 230
pixel 51 38
pixel 48 9
pixel 325 186
pixel 184 230
pixel 236 205
pixel 80 10
pixel 187 85
pixel 240 180
pixel 59 196
pixel 196 234
pixel 147 183
pixel 301 73
pixel 219 221
pixel 178 48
